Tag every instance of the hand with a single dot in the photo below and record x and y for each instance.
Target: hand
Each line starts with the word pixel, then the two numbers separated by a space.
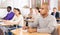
pixel 25 27
pixel 32 30
pixel 4 20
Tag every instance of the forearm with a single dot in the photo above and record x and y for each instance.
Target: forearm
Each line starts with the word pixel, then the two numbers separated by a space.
pixel 10 23
pixel 46 30
pixel 31 30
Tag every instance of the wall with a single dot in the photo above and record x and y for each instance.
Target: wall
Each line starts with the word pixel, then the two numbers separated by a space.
pixel 20 3
pixel 53 3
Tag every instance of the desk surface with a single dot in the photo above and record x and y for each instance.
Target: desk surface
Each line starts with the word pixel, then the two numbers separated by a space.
pixel 57 18
pixel 17 32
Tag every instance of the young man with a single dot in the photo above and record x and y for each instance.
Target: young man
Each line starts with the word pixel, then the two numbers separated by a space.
pixel 10 14
pixel 55 13
pixel 45 23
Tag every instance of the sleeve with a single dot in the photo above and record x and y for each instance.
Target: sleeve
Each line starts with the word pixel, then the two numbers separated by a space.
pixel 19 21
pixel 57 14
pixel 9 16
pixel 6 17
pixel 49 29
pixel 35 24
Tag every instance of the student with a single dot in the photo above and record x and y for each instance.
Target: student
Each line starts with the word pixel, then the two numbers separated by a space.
pixel 32 16
pixel 10 14
pixel 17 19
pixel 55 13
pixel 45 23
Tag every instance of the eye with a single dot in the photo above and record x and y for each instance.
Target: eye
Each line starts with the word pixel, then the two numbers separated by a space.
pixel 42 8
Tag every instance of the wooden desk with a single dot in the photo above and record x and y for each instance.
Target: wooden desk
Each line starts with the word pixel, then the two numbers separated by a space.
pixel 58 29
pixel 57 18
pixel 29 20
pixel 3 24
pixel 6 24
pixel 17 32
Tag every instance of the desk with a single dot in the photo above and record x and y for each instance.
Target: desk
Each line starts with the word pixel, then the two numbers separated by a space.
pixel 57 18
pixel 29 20
pixel 58 29
pixel 17 32
pixel 3 24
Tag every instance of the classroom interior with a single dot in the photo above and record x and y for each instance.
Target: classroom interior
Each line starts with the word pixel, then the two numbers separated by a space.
pixel 24 7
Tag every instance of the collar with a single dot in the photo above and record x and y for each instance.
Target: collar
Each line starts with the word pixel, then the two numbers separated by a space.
pixel 10 12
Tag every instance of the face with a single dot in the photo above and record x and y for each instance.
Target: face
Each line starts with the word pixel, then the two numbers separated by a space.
pixel 44 10
pixel 8 9
pixel 54 10
pixel 16 12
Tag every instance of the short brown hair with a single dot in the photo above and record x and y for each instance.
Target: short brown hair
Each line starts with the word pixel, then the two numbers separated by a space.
pixel 18 10
pixel 45 3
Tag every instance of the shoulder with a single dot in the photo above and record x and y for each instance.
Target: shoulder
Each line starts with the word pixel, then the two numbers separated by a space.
pixel 52 17
pixel 12 12
pixel 57 12
pixel 38 17
pixel 20 16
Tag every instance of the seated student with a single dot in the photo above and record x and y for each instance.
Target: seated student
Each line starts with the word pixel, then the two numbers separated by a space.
pixel 10 14
pixel 45 23
pixel 32 16
pixel 17 19
pixel 55 13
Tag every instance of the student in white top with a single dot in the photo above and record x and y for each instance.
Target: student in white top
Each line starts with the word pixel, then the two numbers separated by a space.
pixel 17 20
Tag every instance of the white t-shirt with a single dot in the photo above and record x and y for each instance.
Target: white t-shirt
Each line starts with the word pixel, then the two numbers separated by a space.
pixel 18 20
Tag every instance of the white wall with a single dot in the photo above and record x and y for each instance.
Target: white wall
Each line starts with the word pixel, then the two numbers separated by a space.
pixel 17 4
pixel 53 3
pixel 20 3
pixel 3 13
